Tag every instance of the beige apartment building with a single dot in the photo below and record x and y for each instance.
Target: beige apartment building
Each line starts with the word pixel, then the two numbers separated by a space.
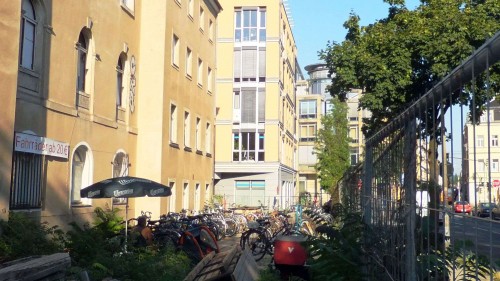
pixel 481 167
pixel 105 88
pixel 314 101
pixel 256 137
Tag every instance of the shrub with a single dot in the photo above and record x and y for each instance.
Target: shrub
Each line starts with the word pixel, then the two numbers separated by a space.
pixel 99 250
pixel 22 236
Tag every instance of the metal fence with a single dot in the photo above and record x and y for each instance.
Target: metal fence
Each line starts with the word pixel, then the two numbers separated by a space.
pixel 417 169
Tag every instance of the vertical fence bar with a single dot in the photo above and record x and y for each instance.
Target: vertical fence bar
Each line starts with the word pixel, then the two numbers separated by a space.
pixel 410 194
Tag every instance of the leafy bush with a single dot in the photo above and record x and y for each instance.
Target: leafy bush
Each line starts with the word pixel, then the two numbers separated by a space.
pixel 22 236
pixel 337 253
pixel 99 250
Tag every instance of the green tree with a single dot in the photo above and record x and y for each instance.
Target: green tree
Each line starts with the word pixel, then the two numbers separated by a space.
pixel 397 59
pixel 332 146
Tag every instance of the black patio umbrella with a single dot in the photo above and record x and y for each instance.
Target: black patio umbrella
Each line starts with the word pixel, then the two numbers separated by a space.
pixel 125 187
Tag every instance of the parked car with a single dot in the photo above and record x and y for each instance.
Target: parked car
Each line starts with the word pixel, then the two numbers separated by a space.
pixel 495 212
pixel 484 209
pixel 462 207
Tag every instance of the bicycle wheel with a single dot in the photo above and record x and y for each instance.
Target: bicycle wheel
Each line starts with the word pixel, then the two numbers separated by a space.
pixel 256 242
pixel 230 227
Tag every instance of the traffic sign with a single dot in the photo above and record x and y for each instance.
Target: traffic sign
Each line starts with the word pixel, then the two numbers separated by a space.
pixel 496 183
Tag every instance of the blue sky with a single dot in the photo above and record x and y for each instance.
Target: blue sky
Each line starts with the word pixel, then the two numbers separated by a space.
pixel 318 21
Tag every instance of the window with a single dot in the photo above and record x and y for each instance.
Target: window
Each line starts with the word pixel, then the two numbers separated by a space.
pixel 27 181
pixel 484 117
pixel 262 65
pixel 354 156
pixel 246 185
pixel 173 123
pixel 81 174
pixel 308 109
pixel 210 30
pixel 494 140
pixel 120 169
pixel 187 125
pixel 82 48
pixel 494 165
pixel 197 197
pixel 120 104
pixel 28 26
pixel 191 8
pixel 480 165
pixel 202 19
pixel 200 72
pixel 189 62
pixel 248 146
pixel 328 107
pixel 479 140
pixel 175 51
pixel 209 78
pixel 250 104
pixel 252 192
pixel 198 134
pixel 208 138
pixel 129 5
pixel 236 100
pixel 207 191
pixel 250 25
pixel 185 196
pixel 249 63
pixel 307 132
pixel 353 134
pixel 171 201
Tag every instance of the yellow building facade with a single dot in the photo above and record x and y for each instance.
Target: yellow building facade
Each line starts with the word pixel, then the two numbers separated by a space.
pixel 256 138
pixel 105 89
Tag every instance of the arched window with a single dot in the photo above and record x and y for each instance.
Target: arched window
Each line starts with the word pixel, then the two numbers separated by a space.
pixel 120 169
pixel 28 26
pixel 81 175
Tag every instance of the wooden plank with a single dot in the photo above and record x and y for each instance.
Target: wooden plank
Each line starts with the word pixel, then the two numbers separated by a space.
pixel 37 268
pixel 226 262
pixel 192 275
pixel 246 268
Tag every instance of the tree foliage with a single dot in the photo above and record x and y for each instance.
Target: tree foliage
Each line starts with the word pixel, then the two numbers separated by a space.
pixel 332 146
pixel 397 59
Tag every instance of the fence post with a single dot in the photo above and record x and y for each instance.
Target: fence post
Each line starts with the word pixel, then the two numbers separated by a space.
pixel 365 200
pixel 410 180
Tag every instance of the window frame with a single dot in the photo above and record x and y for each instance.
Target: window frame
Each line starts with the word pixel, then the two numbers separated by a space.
pixel 128 6
pixel 200 72
pixel 26 21
pixel 175 50
pixel 208 138
pixel 189 63
pixel 187 129
pixel 255 151
pixel 173 123
pixel 308 112
pixel 190 9
pixel 198 134
pixel 308 127
pixel 202 19
pixel 209 80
